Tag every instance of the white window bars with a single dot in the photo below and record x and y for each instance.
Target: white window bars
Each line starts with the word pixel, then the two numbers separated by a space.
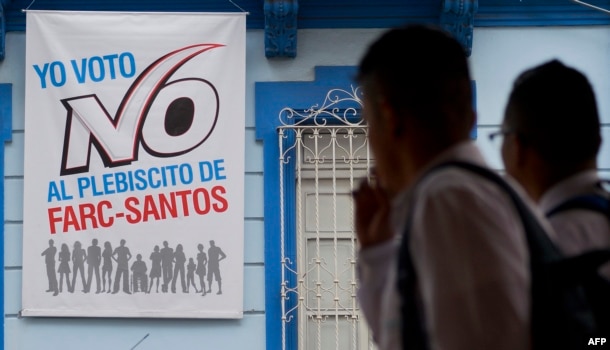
pixel 323 154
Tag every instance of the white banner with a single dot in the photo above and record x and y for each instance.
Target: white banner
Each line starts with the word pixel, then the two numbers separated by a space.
pixel 134 164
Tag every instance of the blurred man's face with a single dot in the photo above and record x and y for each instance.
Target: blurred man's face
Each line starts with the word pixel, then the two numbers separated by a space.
pixel 508 154
pixel 510 149
pixel 379 137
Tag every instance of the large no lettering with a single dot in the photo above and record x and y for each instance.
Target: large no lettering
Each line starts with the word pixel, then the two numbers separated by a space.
pixel 187 131
pixel 179 116
pixel 141 116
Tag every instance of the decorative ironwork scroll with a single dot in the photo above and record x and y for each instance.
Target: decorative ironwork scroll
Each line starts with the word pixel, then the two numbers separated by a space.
pixel 339 107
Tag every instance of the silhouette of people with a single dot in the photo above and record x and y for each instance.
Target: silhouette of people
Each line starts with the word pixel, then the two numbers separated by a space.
pixel 94 259
pixel 215 255
pixel 155 270
pixel 179 262
pixel 167 263
pixel 107 266
pixel 202 261
pixel 79 255
pixel 121 255
pixel 64 267
pixel 138 269
pixel 49 259
pixel 190 275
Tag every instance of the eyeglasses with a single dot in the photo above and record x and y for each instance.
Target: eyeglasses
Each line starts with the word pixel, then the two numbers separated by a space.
pixel 496 134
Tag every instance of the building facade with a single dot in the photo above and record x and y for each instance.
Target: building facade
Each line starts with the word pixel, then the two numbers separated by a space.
pixel 299 283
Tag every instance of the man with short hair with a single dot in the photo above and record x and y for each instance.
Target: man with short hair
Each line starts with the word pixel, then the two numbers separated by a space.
pixel 464 236
pixel 552 138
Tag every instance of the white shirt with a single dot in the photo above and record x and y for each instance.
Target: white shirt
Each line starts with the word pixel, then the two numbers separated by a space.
pixel 577 230
pixel 470 256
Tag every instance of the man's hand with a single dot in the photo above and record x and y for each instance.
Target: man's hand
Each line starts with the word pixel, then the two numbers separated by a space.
pixel 372 215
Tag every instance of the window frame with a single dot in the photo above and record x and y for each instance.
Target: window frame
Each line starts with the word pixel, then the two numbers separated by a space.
pixel 270 99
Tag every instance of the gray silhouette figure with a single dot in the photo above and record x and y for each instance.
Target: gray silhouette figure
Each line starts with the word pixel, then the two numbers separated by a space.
pixel 121 255
pixel 138 273
pixel 155 270
pixel 190 275
pixel 79 255
pixel 179 262
pixel 94 259
pixel 64 267
pixel 167 263
pixel 107 266
pixel 49 259
pixel 215 255
pixel 202 261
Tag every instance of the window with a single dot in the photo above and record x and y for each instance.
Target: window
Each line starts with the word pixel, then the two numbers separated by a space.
pixel 315 151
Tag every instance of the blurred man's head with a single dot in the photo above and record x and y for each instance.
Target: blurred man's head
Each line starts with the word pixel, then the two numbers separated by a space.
pixel 415 81
pixel 551 125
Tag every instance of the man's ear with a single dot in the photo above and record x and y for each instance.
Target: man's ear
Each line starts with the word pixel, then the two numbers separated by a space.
pixel 392 119
pixel 399 127
pixel 523 153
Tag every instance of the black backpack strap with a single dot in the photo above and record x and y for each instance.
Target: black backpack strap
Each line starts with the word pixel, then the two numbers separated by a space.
pixel 543 253
pixel 413 328
pixel 595 202
pixel 538 240
pixel 412 323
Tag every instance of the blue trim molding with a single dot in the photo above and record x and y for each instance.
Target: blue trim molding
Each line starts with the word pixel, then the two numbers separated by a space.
pixel 270 99
pixel 279 17
pixel 6 114
pixel 538 13
pixel 281 28
pixel 457 17
pixel 2 31
pixel 339 13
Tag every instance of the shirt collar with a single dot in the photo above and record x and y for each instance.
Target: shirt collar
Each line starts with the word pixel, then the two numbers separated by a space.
pixel 583 182
pixel 464 151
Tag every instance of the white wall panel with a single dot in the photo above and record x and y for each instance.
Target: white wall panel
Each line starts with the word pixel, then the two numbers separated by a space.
pixel 13 242
pixel 254 196
pixel 500 54
pixel 254 241
pixel 12 292
pixel 104 334
pixel 13 199
pixel 254 153
pixel 13 155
